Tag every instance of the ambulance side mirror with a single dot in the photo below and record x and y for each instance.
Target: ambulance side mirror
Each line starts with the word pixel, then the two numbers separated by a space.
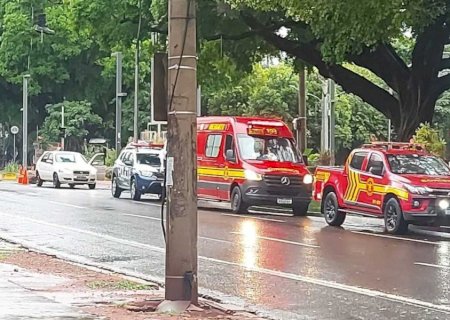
pixel 230 156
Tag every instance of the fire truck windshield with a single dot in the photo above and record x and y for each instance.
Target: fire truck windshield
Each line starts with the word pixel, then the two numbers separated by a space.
pixel 415 164
pixel 267 148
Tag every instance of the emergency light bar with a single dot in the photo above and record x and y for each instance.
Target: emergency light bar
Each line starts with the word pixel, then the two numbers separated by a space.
pixel 394 145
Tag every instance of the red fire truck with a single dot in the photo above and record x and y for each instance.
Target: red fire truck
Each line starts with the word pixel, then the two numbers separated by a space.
pixel 400 182
pixel 251 162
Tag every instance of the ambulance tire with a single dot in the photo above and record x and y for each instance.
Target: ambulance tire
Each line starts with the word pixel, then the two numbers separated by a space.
pixel 237 203
pixel 330 210
pixel 394 222
pixel 300 209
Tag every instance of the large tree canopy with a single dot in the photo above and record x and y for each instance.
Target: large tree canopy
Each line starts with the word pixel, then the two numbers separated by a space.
pixel 370 34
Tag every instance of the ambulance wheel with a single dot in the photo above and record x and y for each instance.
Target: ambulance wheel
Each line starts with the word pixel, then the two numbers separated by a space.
pixel 394 222
pixel 115 189
pixel 300 209
pixel 237 203
pixel 135 194
pixel 330 210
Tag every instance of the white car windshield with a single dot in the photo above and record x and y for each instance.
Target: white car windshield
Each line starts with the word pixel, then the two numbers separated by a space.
pixel 267 148
pixel 68 158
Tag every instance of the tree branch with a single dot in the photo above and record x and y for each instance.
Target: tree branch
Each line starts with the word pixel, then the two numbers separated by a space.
pixel 349 80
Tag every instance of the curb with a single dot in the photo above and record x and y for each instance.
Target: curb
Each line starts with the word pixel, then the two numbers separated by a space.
pixel 134 276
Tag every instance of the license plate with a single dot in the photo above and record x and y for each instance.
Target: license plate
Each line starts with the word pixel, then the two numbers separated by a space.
pixel 284 201
pixel 81 178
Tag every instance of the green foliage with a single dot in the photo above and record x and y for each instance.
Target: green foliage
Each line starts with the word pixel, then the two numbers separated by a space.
pixel 431 139
pixel 80 123
pixel 11 167
pixel 313 157
pixel 111 157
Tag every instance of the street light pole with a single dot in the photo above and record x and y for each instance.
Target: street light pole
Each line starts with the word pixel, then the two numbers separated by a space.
pixel 119 95
pixel 26 79
pixel 181 247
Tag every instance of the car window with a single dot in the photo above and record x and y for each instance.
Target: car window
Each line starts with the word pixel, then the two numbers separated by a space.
pixel 65 158
pixel 357 160
pixel 229 143
pixel 122 156
pixel 45 157
pixel 375 164
pixel 50 156
pixel 213 145
pixel 153 160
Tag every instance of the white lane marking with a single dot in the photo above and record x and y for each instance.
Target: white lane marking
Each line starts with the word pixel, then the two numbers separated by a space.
pixel 432 233
pixel 142 217
pixel 216 240
pixel 282 241
pixel 250 217
pixel 445 227
pixel 147 204
pixel 432 265
pixel 396 238
pixel 67 205
pixel 290 276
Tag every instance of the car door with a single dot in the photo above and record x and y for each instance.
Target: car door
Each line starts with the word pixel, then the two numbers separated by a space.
pixel 128 169
pixel 373 183
pixel 121 170
pixel 40 167
pixel 50 168
pixel 354 186
pixel 232 170
pixel 211 170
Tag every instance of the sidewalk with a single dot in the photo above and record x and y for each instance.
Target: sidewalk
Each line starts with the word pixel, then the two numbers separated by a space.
pixel 38 286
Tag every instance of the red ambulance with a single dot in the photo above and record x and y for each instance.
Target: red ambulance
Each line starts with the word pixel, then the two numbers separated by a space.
pixel 251 162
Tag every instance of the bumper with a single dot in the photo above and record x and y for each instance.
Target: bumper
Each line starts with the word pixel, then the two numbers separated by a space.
pixel 77 180
pixel 430 214
pixel 258 193
pixel 147 185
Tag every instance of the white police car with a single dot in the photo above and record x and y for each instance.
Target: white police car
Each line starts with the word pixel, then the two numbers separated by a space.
pixel 140 170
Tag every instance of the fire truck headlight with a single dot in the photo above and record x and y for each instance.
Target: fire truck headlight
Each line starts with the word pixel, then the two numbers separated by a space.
pixel 308 179
pixel 252 175
pixel 444 204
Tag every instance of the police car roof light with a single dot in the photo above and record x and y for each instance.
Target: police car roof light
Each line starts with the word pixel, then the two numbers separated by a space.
pixel 394 145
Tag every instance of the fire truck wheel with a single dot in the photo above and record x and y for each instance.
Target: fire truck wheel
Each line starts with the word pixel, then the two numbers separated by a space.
pixel 330 210
pixel 394 222
pixel 237 203
pixel 300 209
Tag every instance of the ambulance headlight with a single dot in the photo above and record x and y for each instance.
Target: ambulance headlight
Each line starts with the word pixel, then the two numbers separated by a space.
pixel 308 179
pixel 444 204
pixel 252 175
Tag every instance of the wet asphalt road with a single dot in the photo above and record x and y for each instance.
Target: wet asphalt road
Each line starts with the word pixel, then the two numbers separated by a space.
pixel 287 267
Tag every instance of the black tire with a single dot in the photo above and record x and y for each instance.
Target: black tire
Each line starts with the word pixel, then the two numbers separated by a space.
pixel 394 222
pixel 39 181
pixel 134 192
pixel 115 189
pixel 56 182
pixel 300 209
pixel 330 210
pixel 237 203
pixel 92 186
pixel 71 186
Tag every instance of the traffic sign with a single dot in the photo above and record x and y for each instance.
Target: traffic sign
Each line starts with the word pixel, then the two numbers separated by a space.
pixel 14 130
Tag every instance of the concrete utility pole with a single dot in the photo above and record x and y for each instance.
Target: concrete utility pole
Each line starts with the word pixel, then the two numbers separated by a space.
pixel 62 126
pixel 332 97
pixel 136 93
pixel 26 79
pixel 301 125
pixel 119 95
pixel 181 246
pixel 328 119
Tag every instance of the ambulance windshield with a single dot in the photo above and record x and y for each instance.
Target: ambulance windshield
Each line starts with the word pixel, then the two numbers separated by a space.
pixel 417 164
pixel 267 148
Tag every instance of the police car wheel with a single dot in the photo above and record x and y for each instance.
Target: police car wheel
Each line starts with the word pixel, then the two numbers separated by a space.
pixel 330 210
pixel 394 222
pixel 115 189
pixel 135 194
pixel 237 203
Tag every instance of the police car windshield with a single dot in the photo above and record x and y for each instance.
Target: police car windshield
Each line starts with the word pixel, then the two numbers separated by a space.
pixel 149 159
pixel 416 164
pixel 267 148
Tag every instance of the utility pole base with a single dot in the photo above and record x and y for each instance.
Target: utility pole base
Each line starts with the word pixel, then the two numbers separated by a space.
pixel 173 307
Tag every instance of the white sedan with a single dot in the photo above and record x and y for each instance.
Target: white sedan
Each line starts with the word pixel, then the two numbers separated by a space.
pixel 64 167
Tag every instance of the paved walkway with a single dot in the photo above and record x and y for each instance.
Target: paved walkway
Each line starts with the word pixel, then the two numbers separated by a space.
pixel 20 298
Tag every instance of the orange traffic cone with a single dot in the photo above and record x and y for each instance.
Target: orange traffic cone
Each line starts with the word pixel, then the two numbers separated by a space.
pixel 20 178
pixel 25 176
